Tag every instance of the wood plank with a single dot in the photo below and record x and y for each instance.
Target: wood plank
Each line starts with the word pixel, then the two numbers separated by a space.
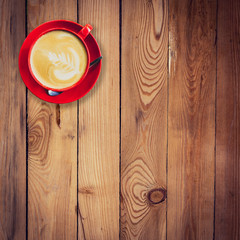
pixel 144 119
pixel 52 141
pixel 191 120
pixel 12 123
pixel 227 220
pixel 98 185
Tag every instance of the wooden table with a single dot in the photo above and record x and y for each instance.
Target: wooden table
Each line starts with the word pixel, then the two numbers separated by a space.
pixel 152 152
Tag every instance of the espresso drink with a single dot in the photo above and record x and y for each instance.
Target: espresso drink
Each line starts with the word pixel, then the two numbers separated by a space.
pixel 58 59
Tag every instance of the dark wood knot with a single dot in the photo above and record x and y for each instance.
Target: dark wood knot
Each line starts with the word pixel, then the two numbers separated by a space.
pixel 157 195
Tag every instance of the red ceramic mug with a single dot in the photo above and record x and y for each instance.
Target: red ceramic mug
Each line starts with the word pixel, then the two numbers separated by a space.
pixel 82 34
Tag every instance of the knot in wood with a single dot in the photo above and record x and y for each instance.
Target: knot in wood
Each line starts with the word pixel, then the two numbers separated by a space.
pixel 157 195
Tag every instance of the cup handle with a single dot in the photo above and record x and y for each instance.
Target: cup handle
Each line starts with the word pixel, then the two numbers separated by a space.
pixel 85 31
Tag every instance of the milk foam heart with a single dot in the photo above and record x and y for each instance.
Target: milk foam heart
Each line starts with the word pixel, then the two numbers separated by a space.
pixel 58 59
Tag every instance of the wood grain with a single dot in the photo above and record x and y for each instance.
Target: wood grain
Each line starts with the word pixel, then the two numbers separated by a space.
pixel 191 119
pixel 52 144
pixel 98 174
pixel 144 119
pixel 12 123
pixel 167 159
pixel 227 213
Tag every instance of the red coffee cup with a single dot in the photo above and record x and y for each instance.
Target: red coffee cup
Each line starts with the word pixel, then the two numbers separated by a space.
pixel 81 35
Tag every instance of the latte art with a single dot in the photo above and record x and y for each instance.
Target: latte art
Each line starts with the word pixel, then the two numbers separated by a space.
pixel 58 59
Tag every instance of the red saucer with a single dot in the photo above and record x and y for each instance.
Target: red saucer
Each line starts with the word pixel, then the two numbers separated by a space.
pixel 70 95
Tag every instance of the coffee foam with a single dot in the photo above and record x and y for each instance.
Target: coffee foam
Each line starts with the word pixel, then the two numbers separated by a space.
pixel 58 59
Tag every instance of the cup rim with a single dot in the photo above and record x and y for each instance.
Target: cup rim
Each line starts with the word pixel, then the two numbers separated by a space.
pixel 82 77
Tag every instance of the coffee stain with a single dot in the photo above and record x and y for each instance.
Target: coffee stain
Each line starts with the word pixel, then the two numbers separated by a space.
pixel 58 115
